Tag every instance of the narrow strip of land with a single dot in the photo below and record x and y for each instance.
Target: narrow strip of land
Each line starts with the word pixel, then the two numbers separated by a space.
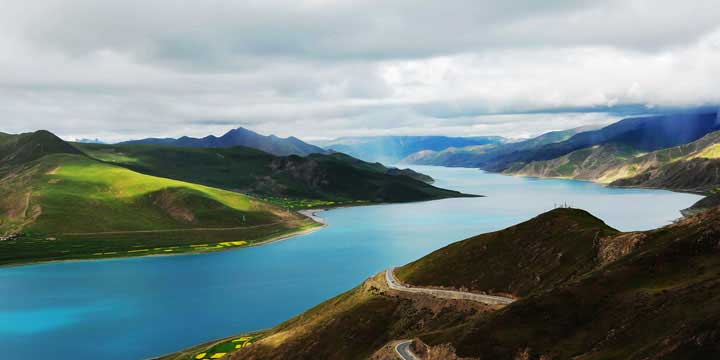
pixel 402 349
pixel 181 229
pixel 394 284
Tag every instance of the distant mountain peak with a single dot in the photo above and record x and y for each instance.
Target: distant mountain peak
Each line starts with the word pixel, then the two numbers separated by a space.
pixel 240 136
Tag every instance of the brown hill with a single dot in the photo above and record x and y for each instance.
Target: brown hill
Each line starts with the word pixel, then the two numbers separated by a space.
pixel 644 295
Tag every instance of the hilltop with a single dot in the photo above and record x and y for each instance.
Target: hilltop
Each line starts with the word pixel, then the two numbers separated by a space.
pixel 519 260
pixel 583 291
pixel 239 137
pixel 294 181
pixel 23 148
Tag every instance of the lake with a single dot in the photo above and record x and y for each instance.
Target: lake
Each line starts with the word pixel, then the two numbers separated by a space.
pixel 141 307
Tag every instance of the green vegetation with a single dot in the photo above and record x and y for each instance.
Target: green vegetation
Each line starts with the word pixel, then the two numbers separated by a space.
pixel 219 350
pixel 593 163
pixel 66 205
pixel 710 152
pixel 304 181
pixel 62 202
pixel 213 348
pixel 299 204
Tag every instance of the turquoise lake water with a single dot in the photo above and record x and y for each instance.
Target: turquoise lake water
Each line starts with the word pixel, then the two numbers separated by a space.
pixel 140 307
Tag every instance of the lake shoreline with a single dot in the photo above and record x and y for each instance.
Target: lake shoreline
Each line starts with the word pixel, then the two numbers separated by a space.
pixel 274 239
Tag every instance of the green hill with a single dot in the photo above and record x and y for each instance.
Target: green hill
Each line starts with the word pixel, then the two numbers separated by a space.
pixel 20 149
pixel 67 206
pixel 292 181
pixel 585 292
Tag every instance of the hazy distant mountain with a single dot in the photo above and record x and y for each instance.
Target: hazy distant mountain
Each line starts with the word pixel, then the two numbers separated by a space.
pixel 644 134
pixel 90 141
pixel 240 137
pixel 391 149
pixel 479 156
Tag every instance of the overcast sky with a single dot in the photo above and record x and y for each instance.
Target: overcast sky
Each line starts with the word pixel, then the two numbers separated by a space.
pixel 320 69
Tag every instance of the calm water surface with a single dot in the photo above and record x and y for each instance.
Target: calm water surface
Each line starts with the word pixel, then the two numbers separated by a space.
pixel 137 308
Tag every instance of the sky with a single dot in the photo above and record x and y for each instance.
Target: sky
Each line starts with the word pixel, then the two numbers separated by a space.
pixel 320 69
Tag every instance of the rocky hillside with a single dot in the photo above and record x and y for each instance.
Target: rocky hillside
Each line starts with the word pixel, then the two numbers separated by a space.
pixel 597 163
pixel 584 291
pixel 688 167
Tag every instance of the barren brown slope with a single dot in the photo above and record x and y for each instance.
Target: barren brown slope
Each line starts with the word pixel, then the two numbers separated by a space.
pixel 529 257
pixel 662 301
pixel 644 295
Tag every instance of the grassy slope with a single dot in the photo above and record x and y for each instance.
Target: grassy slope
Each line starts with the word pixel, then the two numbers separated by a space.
pixel 600 163
pixel 659 298
pixel 333 178
pixel 71 206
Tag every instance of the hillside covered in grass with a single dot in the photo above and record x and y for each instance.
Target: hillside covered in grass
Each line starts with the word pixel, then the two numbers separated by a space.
pixel 292 181
pixel 584 291
pixel 65 205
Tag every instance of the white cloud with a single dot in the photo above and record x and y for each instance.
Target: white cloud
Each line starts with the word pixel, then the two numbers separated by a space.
pixel 318 69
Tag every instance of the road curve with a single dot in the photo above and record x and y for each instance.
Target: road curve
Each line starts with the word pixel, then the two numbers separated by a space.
pixel 394 284
pixel 402 349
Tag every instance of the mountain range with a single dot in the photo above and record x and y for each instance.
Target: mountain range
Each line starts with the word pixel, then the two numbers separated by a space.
pixel 482 155
pixel 392 149
pixel 238 137
pixel 676 151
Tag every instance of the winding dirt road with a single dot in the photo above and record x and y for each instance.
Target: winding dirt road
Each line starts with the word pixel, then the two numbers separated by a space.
pixel 394 284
